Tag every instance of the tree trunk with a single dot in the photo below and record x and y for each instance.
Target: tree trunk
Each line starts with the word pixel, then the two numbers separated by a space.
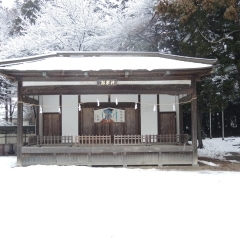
pixel 6 110
pixel 199 127
pixel 10 110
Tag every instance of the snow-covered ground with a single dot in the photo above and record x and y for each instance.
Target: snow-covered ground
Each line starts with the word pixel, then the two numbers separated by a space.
pixel 217 148
pixel 51 202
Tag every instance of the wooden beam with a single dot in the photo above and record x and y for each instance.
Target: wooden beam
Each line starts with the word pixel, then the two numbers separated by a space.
pixel 194 121
pixel 67 75
pixel 20 124
pixel 185 99
pixel 108 104
pixel 27 99
pixel 119 89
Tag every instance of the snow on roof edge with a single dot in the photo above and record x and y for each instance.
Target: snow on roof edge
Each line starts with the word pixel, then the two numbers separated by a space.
pixel 189 59
pixel 109 53
pixel 29 58
pixel 147 54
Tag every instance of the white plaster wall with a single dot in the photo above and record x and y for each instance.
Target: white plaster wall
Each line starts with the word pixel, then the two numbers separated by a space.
pixel 70 115
pixel 40 117
pixel 50 103
pixel 166 103
pixel 149 123
pixel 93 98
pixel 124 98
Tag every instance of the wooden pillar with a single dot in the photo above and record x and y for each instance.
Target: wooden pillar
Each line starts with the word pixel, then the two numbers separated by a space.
pixel 180 119
pixel 158 111
pixel 139 114
pixel 210 124
pixel 194 121
pixel 20 124
pixel 222 124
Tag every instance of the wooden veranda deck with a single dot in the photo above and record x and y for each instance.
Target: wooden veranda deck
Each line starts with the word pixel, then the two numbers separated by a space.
pixel 155 150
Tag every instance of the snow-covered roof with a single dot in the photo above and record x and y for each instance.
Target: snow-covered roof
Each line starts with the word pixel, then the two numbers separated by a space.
pixel 97 61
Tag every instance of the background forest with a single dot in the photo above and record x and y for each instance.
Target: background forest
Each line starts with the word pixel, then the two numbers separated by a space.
pixel 195 28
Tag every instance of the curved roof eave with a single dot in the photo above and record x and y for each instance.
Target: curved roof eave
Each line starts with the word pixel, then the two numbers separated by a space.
pixel 110 53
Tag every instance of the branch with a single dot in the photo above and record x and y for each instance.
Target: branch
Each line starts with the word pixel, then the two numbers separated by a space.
pixel 145 27
pixel 226 37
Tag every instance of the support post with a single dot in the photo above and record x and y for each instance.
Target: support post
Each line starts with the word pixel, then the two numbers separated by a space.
pixel 210 123
pixel 222 113
pixel 180 119
pixel 20 124
pixel 222 124
pixel 194 121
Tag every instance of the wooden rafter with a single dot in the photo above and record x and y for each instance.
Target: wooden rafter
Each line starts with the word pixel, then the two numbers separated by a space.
pixel 81 75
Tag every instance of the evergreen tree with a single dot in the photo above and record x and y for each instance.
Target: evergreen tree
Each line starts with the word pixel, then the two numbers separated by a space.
pixel 209 29
pixel 28 10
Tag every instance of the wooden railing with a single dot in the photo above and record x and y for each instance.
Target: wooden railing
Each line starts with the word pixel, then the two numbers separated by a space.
pixel 168 138
pixel 32 140
pixel 129 139
pixel 92 140
pixel 106 140
pixel 151 139
pixel 50 140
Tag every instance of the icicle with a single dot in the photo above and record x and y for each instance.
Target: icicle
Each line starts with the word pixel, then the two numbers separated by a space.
pixel 79 107
pixel 59 110
pixel 40 109
pixel 98 104
pixel 154 108
pixel 116 101
pixel 135 105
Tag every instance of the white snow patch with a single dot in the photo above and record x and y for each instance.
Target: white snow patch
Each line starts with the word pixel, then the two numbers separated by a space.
pixel 217 148
pixel 52 202
pixel 208 163
pixel 8 162
pixel 233 161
